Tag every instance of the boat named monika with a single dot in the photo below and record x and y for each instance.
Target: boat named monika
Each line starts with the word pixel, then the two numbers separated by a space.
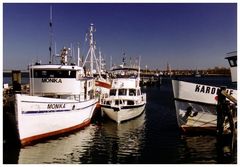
pixel 61 99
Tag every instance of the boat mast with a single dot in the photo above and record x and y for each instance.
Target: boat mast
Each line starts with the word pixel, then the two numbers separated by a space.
pixel 78 53
pixel 91 51
pixel 51 36
pixel 100 62
pixel 139 67
pixel 110 63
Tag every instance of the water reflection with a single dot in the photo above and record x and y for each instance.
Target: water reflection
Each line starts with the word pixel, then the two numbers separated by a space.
pixel 106 142
pixel 202 150
pixel 117 143
pixel 59 150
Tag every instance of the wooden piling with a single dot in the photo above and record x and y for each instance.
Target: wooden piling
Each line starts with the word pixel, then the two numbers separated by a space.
pixel 226 130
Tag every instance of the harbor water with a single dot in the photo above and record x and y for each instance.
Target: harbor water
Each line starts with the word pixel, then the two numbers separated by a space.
pixel 152 138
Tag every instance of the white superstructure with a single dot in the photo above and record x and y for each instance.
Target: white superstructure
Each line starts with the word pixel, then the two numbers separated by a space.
pixel 232 60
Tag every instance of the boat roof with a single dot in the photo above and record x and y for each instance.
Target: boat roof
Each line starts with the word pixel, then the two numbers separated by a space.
pixel 56 67
pixel 125 68
pixel 231 55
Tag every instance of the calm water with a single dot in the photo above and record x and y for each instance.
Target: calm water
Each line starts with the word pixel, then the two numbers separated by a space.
pixel 152 138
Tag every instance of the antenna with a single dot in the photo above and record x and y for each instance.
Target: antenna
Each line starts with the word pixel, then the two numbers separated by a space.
pixel 51 35
pixel 100 61
pixel 111 62
pixel 139 67
pixel 78 54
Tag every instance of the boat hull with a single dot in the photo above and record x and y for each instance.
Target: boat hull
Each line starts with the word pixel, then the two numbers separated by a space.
pixel 40 117
pixel 201 117
pixel 123 113
pixel 196 105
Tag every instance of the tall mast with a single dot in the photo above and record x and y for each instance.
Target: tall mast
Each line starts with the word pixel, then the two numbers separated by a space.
pixel 110 63
pixel 92 47
pixel 100 62
pixel 78 53
pixel 91 51
pixel 139 70
pixel 51 36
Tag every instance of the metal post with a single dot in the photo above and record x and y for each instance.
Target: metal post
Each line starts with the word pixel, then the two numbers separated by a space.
pixel 16 81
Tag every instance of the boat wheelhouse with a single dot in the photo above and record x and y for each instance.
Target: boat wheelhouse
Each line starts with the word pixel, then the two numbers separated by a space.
pixel 232 60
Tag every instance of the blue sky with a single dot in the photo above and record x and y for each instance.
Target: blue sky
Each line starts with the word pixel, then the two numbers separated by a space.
pixel 185 35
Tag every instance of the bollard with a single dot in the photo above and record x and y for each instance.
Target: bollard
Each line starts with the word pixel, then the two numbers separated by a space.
pixel 16 81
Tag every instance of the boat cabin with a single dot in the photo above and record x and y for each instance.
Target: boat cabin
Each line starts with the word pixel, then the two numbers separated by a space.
pixel 123 97
pixel 60 80
pixel 232 60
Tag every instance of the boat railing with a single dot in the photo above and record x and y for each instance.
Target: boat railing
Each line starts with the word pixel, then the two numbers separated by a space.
pixel 229 97
pixel 68 96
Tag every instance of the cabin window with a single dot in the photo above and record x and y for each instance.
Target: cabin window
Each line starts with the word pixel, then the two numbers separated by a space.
pixel 113 92
pixel 108 102
pixel 122 92
pixel 132 92
pixel 118 102
pixel 233 62
pixel 130 102
pixel 44 73
pixel 54 74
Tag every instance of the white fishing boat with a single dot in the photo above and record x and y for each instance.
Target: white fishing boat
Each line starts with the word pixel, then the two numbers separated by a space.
pixel 61 99
pixel 196 103
pixel 125 101
pixel 197 73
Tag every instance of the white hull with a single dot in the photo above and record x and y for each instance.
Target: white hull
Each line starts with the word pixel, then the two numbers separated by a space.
pixel 196 105
pixel 197 92
pixel 205 117
pixel 40 117
pixel 120 114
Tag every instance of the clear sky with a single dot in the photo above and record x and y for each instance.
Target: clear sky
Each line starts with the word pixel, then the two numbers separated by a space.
pixel 185 35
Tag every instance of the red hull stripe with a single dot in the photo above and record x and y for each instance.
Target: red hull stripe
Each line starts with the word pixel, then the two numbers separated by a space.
pixel 98 106
pixel 103 84
pixel 28 140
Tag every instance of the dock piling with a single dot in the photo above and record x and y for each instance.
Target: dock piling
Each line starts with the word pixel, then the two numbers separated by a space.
pixel 16 81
